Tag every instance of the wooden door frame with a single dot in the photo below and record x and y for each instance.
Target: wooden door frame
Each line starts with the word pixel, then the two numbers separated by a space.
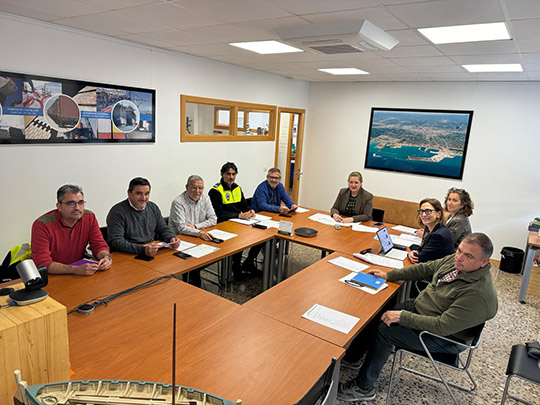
pixel 299 145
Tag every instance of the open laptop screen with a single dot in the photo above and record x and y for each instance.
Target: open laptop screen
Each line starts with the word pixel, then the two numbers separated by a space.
pixel 384 240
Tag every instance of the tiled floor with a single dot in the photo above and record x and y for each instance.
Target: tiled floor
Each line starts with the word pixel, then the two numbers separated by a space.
pixel 515 323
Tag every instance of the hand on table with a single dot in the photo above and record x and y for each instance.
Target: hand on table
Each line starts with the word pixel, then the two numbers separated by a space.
pixel 105 263
pixel 205 236
pixel 86 269
pixel 413 256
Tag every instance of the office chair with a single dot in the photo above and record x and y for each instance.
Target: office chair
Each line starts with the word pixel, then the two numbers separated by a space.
pixel 104 232
pixel 450 360
pixel 522 366
pixel 377 215
pixel 320 392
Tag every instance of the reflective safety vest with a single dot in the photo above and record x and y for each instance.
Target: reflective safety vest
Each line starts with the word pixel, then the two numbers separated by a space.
pixel 229 196
pixel 14 256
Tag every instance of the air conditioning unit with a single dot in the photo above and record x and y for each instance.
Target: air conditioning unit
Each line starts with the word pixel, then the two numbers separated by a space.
pixel 338 37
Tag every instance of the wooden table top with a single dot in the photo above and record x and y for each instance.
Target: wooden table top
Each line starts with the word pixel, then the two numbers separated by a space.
pixel 166 263
pixel 252 357
pixel 72 290
pixel 319 284
pixel 131 337
pixel 534 239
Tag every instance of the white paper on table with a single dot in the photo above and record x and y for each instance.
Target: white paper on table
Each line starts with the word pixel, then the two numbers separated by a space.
pixel 398 240
pixel 201 250
pixel 249 221
pixel 331 318
pixel 301 210
pixel 328 220
pixel 348 264
pixel 185 245
pixel 380 260
pixel 412 238
pixel 218 233
pixel 270 223
pixel 260 217
pixel 396 254
pixel 364 228
pixel 405 229
pixel 369 290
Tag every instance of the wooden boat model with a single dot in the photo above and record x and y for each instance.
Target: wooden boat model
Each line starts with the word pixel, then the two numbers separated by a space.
pixel 111 392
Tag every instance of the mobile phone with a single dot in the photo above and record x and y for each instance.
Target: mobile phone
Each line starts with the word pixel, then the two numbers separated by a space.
pixel 260 226
pixel 285 215
pixel 182 255
pixel 216 240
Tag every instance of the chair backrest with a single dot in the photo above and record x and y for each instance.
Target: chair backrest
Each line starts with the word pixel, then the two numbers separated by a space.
pixel 399 212
pixel 320 388
pixel 377 215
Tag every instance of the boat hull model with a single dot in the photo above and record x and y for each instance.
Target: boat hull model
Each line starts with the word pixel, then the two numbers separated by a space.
pixel 111 392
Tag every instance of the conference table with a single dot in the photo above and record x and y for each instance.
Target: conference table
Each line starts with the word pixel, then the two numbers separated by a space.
pixel 533 246
pixel 319 284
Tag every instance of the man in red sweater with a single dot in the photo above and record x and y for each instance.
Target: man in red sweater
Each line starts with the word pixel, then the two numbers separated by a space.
pixel 60 236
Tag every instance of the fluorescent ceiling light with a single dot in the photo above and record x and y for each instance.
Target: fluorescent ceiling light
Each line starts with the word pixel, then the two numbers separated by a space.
pixel 344 71
pixel 503 67
pixel 266 47
pixel 466 33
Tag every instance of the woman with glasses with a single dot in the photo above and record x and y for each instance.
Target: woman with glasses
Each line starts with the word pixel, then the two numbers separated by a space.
pixel 437 240
pixel 459 206
pixel 353 204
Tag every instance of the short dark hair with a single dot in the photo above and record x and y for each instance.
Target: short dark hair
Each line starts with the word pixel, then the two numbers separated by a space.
pixel 138 181
pixel 482 240
pixel 68 188
pixel 465 199
pixel 436 204
pixel 229 165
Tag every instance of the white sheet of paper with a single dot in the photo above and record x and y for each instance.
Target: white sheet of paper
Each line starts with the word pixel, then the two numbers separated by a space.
pixel 244 221
pixel 217 233
pixel 349 264
pixel 201 250
pixel 397 240
pixel 328 220
pixel 301 210
pixel 380 260
pixel 185 245
pixel 331 318
pixel 405 229
pixel 260 217
pixel 397 254
pixel 270 223
pixel 364 228
pixel 363 288
pixel 412 238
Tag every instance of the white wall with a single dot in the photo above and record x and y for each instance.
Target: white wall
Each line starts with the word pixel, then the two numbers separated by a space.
pixel 501 171
pixel 30 175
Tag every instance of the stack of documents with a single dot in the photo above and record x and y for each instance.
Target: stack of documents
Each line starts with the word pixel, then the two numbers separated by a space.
pixel 217 233
pixel 405 229
pixel 250 221
pixel 328 220
pixel 380 260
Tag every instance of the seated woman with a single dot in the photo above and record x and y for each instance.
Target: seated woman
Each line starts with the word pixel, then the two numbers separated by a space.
pixel 437 241
pixel 460 207
pixel 353 204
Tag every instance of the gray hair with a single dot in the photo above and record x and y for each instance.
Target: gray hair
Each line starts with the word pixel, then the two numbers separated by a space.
pixel 193 177
pixel 482 240
pixel 274 170
pixel 68 188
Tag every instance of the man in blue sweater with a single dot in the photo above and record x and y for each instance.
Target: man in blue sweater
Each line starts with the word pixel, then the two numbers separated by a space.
pixel 268 197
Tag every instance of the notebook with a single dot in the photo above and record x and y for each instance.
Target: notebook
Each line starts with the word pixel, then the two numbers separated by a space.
pixel 368 280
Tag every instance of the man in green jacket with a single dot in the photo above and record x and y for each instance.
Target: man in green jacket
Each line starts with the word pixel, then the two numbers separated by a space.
pixel 461 295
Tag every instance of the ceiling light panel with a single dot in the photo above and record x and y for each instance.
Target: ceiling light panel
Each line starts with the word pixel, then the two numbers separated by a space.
pixel 466 33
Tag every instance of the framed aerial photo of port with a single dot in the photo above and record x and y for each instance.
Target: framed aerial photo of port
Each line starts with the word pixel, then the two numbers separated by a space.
pixel 427 142
pixel 38 109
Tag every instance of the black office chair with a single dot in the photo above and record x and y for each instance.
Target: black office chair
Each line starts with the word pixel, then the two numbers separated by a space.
pixel 104 232
pixel 450 360
pixel 522 366
pixel 319 393
pixel 377 215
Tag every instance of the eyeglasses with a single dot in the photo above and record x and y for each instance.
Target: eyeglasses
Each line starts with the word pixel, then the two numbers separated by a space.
pixel 425 212
pixel 274 178
pixel 197 187
pixel 74 203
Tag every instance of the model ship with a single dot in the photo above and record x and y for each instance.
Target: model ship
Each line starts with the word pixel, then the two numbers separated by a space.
pixel 111 392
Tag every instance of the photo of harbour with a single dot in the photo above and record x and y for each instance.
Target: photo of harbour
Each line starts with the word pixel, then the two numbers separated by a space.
pixel 428 142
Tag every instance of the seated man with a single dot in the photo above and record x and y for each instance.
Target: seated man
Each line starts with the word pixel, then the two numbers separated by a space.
pixel 191 212
pixel 229 202
pixel 461 295
pixel 135 221
pixel 59 237
pixel 268 197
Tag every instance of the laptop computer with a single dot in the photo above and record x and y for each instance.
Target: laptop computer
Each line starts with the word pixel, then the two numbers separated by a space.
pixel 388 248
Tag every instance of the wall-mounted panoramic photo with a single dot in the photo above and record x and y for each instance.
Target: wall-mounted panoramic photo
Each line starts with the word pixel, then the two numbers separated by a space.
pixel 39 109
pixel 428 142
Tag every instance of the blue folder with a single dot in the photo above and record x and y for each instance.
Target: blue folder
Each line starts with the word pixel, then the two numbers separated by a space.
pixel 368 280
